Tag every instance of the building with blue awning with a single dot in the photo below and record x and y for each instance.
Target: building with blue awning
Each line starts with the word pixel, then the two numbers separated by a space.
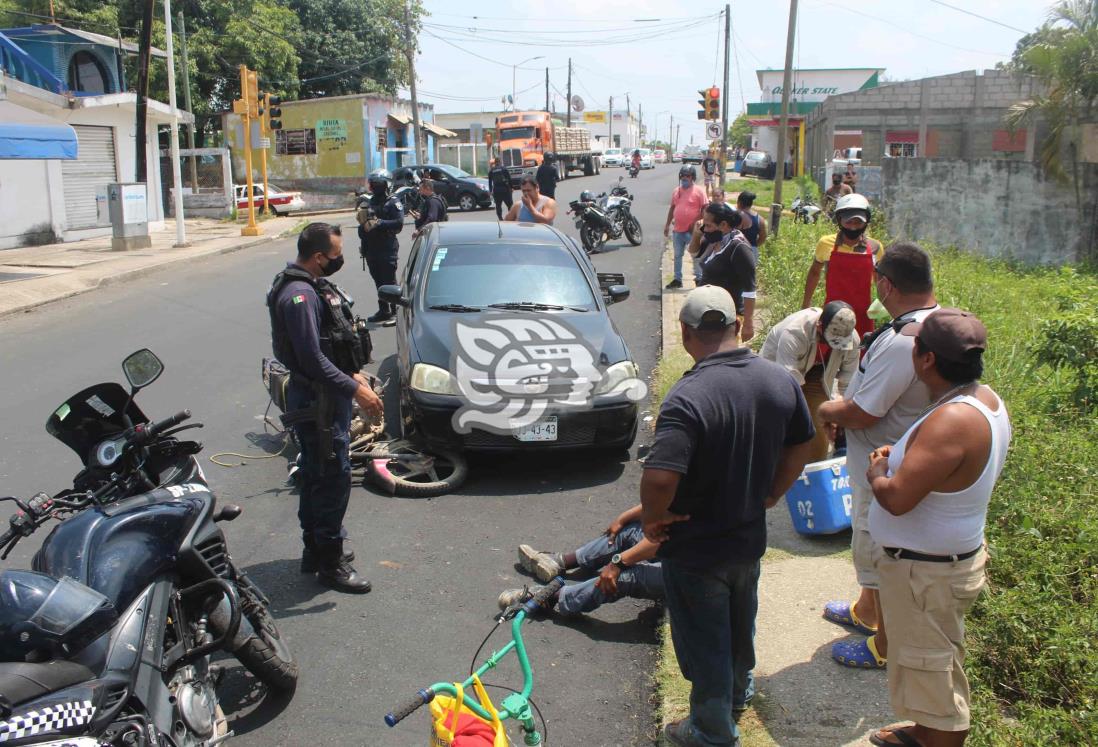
pixel 25 133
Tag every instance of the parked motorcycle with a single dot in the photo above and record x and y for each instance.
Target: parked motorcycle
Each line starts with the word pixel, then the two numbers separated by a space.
pixel 107 642
pixel 805 210
pixel 600 219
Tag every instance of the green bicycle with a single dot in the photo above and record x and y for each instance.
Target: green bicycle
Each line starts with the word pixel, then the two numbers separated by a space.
pixel 517 705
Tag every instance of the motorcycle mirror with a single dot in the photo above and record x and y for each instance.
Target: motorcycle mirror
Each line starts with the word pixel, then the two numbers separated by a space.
pixel 142 368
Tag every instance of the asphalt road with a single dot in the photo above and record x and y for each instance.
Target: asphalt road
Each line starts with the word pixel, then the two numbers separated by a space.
pixel 436 565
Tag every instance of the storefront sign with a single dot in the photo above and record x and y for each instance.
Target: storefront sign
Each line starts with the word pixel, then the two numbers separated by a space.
pixel 594 117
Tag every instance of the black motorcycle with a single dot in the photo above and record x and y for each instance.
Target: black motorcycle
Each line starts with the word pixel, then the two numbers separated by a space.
pixel 606 217
pixel 107 641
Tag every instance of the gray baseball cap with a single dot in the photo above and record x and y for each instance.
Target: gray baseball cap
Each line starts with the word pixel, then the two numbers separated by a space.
pixel 708 307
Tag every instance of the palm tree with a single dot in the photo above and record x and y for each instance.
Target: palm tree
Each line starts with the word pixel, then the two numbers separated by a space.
pixel 1063 57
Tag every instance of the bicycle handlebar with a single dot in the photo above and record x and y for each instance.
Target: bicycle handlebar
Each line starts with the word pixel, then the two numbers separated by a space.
pixel 398 714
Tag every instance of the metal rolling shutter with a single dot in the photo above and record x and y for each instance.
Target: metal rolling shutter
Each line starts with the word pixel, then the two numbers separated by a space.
pixel 90 173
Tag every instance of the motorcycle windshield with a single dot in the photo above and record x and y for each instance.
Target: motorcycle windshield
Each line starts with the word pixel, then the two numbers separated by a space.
pixel 92 416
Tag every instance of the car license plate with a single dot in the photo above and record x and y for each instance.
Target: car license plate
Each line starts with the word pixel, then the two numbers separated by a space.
pixel 543 430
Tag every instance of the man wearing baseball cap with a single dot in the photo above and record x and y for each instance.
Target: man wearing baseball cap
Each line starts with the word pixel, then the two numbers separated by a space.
pixel 931 491
pixel 732 436
pixel 819 347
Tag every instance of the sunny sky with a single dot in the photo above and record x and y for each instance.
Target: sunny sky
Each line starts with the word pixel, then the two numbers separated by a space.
pixel 661 52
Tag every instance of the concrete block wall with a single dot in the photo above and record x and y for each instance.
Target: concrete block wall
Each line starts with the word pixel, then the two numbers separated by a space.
pixel 991 204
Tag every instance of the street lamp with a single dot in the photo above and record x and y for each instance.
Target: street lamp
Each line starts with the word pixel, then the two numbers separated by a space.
pixel 514 69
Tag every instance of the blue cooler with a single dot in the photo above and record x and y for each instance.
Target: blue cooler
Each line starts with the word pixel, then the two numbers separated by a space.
pixel 819 501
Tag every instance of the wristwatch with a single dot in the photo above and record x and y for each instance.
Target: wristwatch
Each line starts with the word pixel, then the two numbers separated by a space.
pixel 616 560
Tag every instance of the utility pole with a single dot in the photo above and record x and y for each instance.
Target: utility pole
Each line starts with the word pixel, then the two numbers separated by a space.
pixel 640 124
pixel 671 129
pixel 724 101
pixel 610 119
pixel 177 177
pixel 568 103
pixel 546 89
pixel 141 170
pixel 628 120
pixel 676 148
pixel 410 50
pixel 783 125
pixel 193 160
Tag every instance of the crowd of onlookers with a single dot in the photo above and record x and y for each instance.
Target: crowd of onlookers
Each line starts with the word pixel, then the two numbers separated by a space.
pixel 879 372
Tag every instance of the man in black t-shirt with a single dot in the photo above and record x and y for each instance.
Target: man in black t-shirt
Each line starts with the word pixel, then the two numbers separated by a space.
pixel 732 436
pixel 727 260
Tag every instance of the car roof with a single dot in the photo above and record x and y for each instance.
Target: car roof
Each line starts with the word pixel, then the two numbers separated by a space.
pixel 468 232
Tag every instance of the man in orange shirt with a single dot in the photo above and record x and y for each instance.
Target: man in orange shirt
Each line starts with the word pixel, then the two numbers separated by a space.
pixel 687 203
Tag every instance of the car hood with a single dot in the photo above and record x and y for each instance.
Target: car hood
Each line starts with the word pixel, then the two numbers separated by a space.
pixel 434 335
pixel 482 183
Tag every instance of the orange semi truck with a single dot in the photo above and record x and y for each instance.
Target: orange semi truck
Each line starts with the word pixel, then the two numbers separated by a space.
pixel 525 137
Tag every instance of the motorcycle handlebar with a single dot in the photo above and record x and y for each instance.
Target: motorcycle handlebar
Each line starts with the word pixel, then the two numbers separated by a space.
pixel 148 432
pixel 410 706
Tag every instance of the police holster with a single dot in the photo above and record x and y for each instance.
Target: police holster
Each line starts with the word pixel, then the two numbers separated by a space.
pixel 322 413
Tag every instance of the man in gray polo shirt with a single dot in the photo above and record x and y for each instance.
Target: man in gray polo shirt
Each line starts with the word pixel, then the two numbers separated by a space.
pixel 882 401
pixel 732 435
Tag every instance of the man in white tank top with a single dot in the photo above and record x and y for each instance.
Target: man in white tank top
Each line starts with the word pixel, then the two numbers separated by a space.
pixel 932 490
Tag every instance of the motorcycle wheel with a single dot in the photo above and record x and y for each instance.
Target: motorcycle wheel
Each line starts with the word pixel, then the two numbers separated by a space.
pixel 264 654
pixel 403 468
pixel 633 231
pixel 592 238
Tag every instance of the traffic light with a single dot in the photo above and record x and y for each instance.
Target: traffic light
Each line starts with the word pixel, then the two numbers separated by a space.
pixel 274 112
pixel 703 102
pixel 253 94
pixel 713 103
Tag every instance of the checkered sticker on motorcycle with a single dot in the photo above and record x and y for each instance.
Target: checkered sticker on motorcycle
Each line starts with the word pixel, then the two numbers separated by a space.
pixel 49 718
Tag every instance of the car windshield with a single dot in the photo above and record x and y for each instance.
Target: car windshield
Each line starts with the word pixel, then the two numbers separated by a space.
pixel 453 171
pixel 518 133
pixel 756 156
pixel 613 151
pixel 480 275
pixel 645 152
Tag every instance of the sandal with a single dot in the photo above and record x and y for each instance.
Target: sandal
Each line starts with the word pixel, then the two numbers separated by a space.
pixel 861 654
pixel 843 614
pixel 900 732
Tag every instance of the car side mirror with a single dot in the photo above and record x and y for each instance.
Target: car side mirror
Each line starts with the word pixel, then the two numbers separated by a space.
pixel 393 294
pixel 618 293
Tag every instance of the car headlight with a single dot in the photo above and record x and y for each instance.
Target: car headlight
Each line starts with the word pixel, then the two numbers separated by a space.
pixel 432 380
pixel 616 376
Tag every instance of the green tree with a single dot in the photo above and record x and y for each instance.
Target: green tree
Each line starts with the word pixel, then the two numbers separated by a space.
pixel 1063 56
pixel 740 131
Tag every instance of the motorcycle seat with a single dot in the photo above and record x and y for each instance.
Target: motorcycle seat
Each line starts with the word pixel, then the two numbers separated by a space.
pixel 22 681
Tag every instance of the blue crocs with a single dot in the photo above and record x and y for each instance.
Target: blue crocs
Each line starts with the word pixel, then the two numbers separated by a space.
pixel 843 614
pixel 860 654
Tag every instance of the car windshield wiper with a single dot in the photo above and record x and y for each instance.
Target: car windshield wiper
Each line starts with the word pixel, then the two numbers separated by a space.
pixel 527 305
pixel 455 307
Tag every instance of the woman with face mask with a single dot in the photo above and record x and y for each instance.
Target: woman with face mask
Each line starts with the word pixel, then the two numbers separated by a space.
pixel 849 256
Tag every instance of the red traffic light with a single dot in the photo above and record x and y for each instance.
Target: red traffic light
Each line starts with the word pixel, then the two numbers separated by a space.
pixel 714 92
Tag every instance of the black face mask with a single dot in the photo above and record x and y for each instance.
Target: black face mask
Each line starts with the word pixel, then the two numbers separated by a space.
pixel 333 266
pixel 713 236
pixel 853 233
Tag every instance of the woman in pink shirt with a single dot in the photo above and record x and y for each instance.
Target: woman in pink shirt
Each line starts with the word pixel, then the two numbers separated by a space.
pixel 687 203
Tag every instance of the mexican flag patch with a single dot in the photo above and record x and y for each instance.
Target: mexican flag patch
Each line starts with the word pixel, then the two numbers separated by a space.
pixel 299 299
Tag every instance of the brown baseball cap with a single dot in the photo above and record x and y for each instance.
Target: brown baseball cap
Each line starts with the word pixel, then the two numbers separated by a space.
pixel 950 334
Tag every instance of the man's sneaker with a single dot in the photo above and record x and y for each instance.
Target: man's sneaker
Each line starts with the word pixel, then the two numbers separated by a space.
pixel 511 597
pixel 545 566
pixel 382 318
pixel 673 285
pixel 343 577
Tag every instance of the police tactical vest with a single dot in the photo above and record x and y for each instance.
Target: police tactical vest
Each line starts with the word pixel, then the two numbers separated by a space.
pixel 344 339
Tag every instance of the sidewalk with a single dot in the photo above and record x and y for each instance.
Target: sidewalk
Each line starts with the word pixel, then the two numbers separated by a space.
pixel 36 275
pixel 804 698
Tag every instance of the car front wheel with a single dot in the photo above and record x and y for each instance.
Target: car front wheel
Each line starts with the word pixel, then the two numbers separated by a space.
pixel 467 202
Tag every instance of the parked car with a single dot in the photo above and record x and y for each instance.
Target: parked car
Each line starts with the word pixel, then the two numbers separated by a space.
pixel 676 156
pixel 659 156
pixel 458 187
pixel 612 157
pixel 758 163
pixel 474 272
pixel 280 202
pixel 692 154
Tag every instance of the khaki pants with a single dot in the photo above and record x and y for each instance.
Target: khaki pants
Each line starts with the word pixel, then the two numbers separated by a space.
pixel 815 395
pixel 924 606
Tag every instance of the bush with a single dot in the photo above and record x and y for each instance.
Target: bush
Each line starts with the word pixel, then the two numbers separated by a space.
pixel 1033 636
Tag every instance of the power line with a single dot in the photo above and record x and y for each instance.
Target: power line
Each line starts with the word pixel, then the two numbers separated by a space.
pixel 474 54
pixel 451 27
pixel 663 33
pixel 977 15
pixel 563 19
pixel 717 54
pixel 101 24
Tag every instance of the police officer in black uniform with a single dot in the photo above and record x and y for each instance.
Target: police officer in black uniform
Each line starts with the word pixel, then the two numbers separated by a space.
pixel 379 239
pixel 502 192
pixel 315 335
pixel 546 176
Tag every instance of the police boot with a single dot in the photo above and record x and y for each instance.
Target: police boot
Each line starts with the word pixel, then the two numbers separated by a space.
pixel 309 562
pixel 337 573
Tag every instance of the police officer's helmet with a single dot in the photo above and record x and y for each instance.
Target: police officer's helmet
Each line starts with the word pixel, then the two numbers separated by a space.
pixel 587 196
pixel 688 172
pixel 379 176
pixel 549 156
